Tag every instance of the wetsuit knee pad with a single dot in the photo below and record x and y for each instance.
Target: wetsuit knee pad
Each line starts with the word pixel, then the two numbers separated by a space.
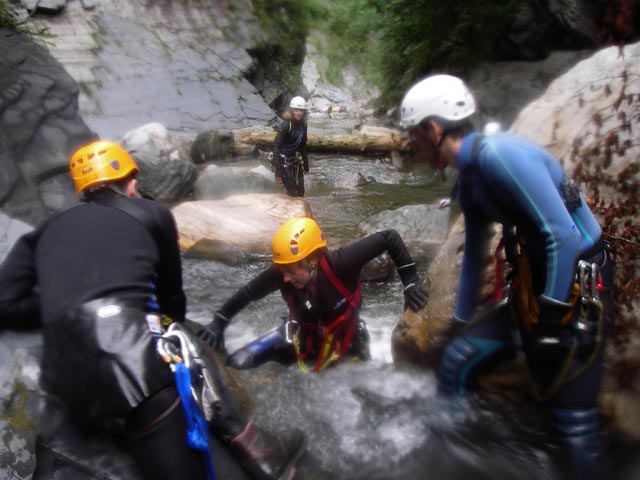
pixel 463 357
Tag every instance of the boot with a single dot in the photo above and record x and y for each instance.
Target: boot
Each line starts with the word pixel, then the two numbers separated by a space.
pixel 268 456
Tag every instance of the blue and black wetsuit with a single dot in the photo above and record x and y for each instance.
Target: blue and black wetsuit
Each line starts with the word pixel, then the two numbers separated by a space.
pixel 516 183
pixel 290 159
pixel 510 180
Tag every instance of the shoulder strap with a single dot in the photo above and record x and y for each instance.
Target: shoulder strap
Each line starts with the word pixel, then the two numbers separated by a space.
pixel 352 297
pixel 145 218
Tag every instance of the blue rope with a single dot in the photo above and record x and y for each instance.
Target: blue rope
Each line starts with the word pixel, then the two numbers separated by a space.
pixel 197 430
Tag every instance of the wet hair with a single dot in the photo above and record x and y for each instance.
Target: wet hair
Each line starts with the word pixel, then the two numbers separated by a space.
pixel 452 128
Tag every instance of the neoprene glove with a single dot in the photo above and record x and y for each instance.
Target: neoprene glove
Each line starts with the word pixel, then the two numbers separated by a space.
pixel 415 296
pixel 213 334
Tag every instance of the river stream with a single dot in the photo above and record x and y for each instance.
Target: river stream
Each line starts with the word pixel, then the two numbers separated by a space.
pixel 374 420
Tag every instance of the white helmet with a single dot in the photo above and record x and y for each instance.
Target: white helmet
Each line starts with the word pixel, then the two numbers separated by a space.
pixel 443 96
pixel 298 102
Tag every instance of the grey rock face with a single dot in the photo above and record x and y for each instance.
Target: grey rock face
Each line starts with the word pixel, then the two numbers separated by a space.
pixel 40 128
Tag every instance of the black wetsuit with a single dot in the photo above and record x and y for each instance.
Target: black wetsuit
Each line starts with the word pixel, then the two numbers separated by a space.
pixel 320 302
pixel 90 275
pixel 290 159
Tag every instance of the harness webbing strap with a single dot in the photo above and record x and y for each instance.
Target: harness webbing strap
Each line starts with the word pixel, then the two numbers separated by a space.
pixel 336 336
pixel 197 430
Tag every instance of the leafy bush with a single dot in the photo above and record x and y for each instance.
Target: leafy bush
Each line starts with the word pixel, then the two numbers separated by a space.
pixel 7 16
pixel 394 42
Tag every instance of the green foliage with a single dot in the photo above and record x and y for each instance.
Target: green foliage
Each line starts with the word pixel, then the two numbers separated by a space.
pixel 9 19
pixel 7 16
pixel 352 31
pixel 395 42
pixel 447 36
pixel 287 24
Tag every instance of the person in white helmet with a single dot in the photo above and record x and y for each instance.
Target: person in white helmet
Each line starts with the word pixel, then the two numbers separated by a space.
pixel 554 243
pixel 290 161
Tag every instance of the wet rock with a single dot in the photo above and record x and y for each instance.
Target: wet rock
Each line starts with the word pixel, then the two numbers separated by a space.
pixel 166 171
pixel 247 222
pixel 41 128
pixel 219 182
pixel 419 223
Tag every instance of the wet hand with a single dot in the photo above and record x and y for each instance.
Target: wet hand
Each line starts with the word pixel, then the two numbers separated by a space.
pixel 213 334
pixel 415 297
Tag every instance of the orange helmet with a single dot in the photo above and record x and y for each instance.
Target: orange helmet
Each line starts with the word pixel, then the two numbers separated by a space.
pixel 100 162
pixel 296 239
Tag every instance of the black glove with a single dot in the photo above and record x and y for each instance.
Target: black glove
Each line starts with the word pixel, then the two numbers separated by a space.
pixel 415 296
pixel 213 334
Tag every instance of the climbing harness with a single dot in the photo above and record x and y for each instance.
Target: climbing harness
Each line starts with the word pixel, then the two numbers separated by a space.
pixel 334 338
pixel 195 386
pixel 585 319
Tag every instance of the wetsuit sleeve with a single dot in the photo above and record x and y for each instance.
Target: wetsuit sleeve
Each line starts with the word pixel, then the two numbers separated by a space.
pixel 170 293
pixel 477 236
pixel 349 260
pixel 262 285
pixel 530 186
pixel 282 132
pixel 19 299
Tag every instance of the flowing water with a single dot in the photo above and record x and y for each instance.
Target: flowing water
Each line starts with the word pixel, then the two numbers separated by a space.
pixel 375 420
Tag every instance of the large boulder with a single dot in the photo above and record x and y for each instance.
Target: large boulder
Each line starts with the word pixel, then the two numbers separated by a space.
pixel 166 171
pixel 236 226
pixel 219 182
pixel 40 128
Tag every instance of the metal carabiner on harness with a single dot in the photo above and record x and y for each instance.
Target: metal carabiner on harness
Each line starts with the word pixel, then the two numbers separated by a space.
pixel 584 284
pixel 176 346
pixel 588 273
pixel 290 329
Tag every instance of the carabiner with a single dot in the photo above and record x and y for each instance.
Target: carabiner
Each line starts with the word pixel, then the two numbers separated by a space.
pixel 288 327
pixel 584 284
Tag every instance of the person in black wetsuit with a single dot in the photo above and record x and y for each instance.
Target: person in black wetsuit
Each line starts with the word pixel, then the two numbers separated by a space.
pixel 289 159
pixel 93 276
pixel 323 292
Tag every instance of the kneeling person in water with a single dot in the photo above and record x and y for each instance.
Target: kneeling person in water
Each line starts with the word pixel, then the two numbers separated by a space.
pixel 323 292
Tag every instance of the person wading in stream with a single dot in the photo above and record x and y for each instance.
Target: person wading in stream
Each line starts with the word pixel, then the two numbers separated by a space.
pixel 289 157
pixel 96 277
pixel 323 291
pixel 560 290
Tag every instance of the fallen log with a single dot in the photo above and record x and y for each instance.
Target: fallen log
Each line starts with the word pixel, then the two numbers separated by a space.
pixel 217 145
pixel 324 143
